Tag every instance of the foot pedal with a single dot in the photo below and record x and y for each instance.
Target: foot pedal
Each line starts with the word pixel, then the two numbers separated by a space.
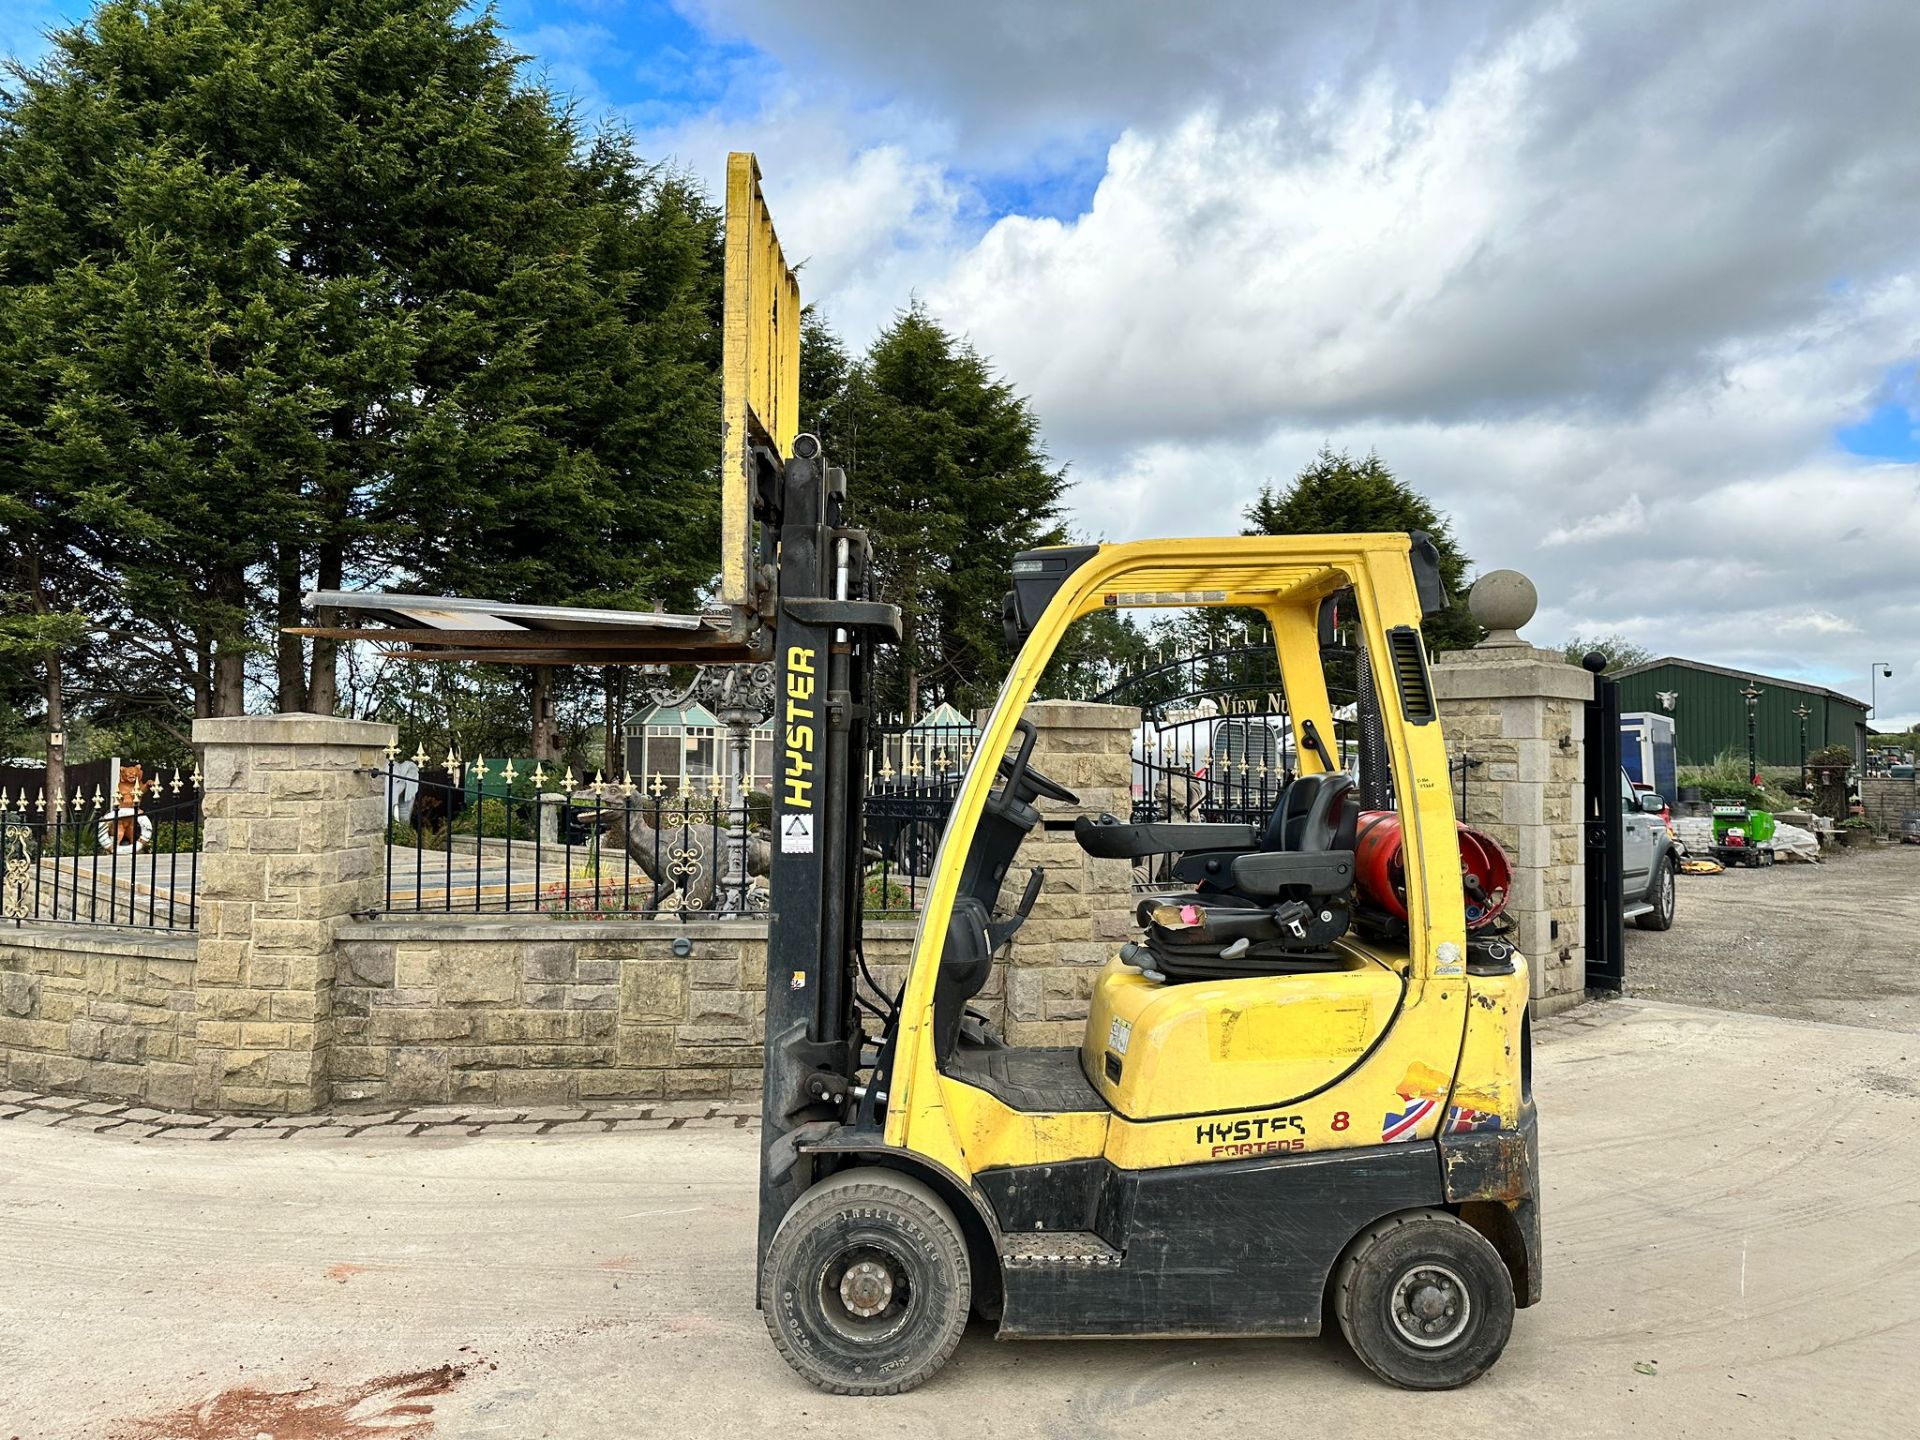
pixel 1057 1249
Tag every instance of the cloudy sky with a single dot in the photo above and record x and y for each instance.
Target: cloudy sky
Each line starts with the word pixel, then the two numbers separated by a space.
pixel 1632 290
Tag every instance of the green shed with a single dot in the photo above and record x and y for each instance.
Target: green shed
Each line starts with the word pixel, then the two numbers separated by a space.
pixel 1708 704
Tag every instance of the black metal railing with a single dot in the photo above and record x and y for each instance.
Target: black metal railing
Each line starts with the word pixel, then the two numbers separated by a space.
pixel 481 838
pixel 463 840
pixel 913 778
pixel 127 853
pixel 1217 741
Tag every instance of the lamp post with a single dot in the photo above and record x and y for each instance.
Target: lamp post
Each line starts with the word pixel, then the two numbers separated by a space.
pixel 1876 672
pixel 1752 692
pixel 1803 712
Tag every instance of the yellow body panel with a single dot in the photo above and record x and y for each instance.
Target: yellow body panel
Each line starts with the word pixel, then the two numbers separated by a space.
pixel 1300 1069
pixel 990 1135
pixel 1232 1044
pixel 759 366
pixel 1409 1070
pixel 1489 1080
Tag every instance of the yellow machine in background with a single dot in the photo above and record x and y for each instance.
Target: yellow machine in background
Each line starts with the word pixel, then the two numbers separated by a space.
pixel 1273 1106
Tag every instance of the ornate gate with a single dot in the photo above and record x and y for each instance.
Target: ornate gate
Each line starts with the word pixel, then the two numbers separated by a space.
pixel 1606 934
pixel 1216 738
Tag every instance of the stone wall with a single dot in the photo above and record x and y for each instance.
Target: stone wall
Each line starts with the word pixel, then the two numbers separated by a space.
pixel 287 1003
pixel 1085 907
pixel 111 1013
pixel 429 1011
pixel 1886 800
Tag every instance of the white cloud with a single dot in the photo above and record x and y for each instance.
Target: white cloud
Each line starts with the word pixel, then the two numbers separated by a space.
pixel 1628 518
pixel 1601 280
pixel 863 203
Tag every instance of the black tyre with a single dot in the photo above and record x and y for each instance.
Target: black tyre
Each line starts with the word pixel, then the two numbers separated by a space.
pixel 1424 1300
pixel 1664 897
pixel 867 1287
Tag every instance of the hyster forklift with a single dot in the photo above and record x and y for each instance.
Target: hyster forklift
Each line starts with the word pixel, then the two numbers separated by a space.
pixel 1276 1111
pixel 1302 1091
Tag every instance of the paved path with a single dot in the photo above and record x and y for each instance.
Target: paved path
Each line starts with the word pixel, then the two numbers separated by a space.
pixel 136 1122
pixel 1733 1228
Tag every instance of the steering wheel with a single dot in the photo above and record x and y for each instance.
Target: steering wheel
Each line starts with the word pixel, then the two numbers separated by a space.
pixel 1016 771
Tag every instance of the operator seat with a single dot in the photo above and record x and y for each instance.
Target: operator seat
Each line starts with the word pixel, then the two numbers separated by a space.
pixel 1267 900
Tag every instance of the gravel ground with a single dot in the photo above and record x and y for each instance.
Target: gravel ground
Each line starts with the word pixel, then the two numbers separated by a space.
pixel 1714 1271
pixel 1838 941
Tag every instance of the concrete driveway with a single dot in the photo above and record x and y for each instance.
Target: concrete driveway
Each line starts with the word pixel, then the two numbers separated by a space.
pixel 1733 1231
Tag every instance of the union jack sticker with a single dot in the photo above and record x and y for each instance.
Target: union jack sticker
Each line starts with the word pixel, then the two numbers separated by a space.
pixel 1462 1118
pixel 1403 1125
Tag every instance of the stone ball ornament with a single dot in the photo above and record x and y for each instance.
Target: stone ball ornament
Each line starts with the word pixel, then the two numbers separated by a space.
pixel 1503 601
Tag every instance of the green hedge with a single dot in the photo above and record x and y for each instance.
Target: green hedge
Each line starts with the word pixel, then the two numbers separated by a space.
pixel 494 819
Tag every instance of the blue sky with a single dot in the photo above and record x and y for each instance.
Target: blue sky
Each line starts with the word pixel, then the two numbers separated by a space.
pixel 1568 268
pixel 651 65
pixel 1892 430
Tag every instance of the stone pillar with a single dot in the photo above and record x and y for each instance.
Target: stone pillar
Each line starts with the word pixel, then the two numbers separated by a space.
pixel 551 804
pixel 1086 907
pixel 1512 713
pixel 294 810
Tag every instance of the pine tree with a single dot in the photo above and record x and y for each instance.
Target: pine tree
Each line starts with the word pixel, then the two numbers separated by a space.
pixel 330 295
pixel 1337 494
pixel 947 472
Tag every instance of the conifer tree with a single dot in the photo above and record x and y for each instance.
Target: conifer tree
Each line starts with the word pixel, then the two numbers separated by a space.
pixel 946 470
pixel 1337 494
pixel 326 293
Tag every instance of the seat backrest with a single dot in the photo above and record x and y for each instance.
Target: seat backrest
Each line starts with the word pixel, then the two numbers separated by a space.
pixel 1311 813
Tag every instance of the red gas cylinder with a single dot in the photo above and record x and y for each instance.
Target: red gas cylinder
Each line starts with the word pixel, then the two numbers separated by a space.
pixel 1485 875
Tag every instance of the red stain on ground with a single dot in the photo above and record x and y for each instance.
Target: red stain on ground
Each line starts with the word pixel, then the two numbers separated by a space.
pixel 344 1272
pixel 391 1407
pixel 616 1262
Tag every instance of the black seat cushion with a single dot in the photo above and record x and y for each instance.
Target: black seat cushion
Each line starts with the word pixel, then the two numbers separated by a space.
pixel 1218 931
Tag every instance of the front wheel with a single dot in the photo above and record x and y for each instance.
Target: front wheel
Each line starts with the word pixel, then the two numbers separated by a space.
pixel 1664 899
pixel 1424 1300
pixel 866 1287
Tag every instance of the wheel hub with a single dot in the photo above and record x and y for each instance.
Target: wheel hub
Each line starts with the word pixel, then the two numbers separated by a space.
pixel 1430 1306
pixel 866 1289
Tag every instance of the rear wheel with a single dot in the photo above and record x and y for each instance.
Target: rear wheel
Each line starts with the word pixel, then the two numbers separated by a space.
pixel 1663 899
pixel 866 1288
pixel 1424 1300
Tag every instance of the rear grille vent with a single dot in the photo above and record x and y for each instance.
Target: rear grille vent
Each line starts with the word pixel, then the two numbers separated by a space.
pixel 1410 674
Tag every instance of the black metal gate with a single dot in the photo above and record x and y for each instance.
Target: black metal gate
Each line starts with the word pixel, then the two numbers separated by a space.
pixel 1606 932
pixel 1216 740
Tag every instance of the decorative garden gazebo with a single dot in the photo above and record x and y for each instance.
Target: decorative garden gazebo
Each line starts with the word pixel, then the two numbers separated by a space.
pixel 683 745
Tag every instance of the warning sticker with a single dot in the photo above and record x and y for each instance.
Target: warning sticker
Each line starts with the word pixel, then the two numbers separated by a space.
pixel 796 835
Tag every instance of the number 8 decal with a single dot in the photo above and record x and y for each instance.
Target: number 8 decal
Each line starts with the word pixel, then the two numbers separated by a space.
pixel 1339 1119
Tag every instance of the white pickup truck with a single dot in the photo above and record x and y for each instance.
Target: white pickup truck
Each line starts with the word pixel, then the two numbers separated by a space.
pixel 1649 864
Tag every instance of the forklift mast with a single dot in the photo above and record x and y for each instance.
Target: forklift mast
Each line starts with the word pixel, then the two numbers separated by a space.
pixel 824 638
pixel 795 588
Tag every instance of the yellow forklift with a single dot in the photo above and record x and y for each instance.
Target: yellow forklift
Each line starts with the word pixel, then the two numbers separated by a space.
pixel 1283 1105
pixel 1301 1092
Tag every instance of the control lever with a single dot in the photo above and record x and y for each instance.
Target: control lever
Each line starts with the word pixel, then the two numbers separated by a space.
pixel 999 932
